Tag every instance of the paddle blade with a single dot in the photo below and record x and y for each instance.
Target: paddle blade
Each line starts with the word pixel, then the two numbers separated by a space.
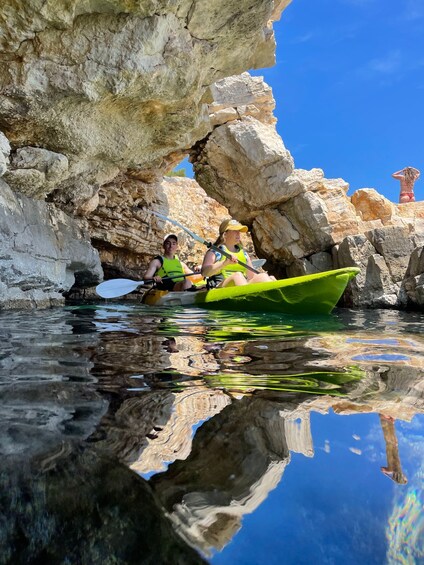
pixel 117 287
pixel 258 263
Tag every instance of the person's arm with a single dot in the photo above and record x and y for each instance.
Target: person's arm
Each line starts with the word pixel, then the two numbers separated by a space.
pixel 210 268
pixel 196 276
pixel 398 175
pixel 154 266
pixel 186 269
pixel 249 274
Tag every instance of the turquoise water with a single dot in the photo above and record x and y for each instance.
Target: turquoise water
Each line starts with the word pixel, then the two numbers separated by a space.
pixel 131 434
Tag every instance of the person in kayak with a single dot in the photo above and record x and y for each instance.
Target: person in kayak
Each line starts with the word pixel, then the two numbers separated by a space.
pixel 407 178
pixel 169 265
pixel 223 271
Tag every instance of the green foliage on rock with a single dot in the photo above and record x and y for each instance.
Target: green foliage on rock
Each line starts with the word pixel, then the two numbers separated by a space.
pixel 179 173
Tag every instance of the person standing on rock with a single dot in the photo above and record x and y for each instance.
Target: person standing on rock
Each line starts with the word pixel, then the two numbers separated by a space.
pixel 223 271
pixel 169 265
pixel 407 178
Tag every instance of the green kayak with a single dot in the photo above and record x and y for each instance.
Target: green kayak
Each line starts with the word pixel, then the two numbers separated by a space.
pixel 309 294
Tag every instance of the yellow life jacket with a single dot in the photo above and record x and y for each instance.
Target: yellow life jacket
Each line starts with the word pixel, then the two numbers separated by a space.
pixel 170 268
pixel 228 270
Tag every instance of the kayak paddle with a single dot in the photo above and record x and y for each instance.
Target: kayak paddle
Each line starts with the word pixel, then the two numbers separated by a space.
pixel 119 287
pixel 257 263
pixel 203 241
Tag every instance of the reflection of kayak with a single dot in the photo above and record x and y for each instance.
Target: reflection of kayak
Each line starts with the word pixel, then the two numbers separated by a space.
pixel 315 382
pixel 309 294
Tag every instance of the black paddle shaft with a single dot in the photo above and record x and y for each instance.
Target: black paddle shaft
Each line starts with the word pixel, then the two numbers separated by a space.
pixel 148 281
pixel 229 256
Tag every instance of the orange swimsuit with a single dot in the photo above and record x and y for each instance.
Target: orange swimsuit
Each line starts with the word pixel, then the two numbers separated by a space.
pixel 406 197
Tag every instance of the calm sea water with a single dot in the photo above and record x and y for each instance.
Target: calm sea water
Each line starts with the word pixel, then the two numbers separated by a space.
pixel 130 434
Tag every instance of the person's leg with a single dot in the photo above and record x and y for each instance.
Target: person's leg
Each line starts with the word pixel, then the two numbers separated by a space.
pixel 261 277
pixel 236 279
pixel 183 285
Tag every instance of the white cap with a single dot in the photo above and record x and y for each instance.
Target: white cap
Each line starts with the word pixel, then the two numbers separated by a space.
pixel 170 235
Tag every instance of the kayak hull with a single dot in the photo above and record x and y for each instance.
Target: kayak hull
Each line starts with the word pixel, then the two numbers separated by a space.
pixel 309 294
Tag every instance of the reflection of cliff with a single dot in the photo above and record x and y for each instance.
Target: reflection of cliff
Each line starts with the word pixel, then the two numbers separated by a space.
pixel 149 431
pixel 126 351
pixel 85 510
pixel 297 427
pixel 136 350
pixel 239 454
pixel 396 391
pixel 173 441
pixel 238 457
pixel 280 367
pixel 367 349
pixel 154 428
pixel 392 366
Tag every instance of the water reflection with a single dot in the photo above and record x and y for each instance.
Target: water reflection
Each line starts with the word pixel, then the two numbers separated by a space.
pixel 237 458
pixel 214 409
pixel 48 397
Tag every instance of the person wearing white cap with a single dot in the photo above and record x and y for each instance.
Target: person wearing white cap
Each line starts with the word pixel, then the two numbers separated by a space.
pixel 223 271
pixel 169 265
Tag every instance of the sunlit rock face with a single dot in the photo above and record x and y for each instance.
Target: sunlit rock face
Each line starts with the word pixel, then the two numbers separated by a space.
pixel 313 216
pixel 235 162
pixel 414 278
pixel 241 95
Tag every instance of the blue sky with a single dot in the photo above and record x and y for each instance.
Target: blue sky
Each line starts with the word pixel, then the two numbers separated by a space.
pixel 349 89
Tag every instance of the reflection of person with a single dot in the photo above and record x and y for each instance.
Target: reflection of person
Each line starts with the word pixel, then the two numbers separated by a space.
pixel 170 344
pixel 394 468
pixel 224 271
pixel 169 265
pixel 407 178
